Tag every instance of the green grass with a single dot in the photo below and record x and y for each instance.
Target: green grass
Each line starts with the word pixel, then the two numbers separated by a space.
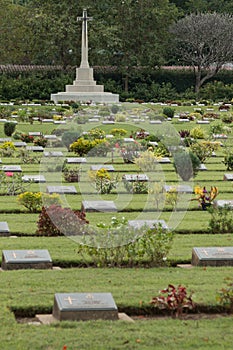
pixel 32 291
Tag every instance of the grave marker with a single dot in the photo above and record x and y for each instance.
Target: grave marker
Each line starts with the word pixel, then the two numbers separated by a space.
pixel 102 166
pixel 84 306
pixel 103 206
pixel 61 189
pixel 150 223
pixel 4 229
pixel 212 256
pixel 26 259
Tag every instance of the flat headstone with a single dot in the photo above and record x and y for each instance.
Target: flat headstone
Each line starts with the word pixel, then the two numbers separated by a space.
pixel 93 120
pixel 135 177
pixel 61 189
pixel 12 168
pixel 108 122
pixel 137 224
pixel 84 306
pixel 153 143
pixel 128 139
pixel 26 259
pixel 47 120
pixel 33 178
pixel 5 139
pixel 75 160
pixel 155 122
pixel 59 122
pixel 103 206
pixel 220 203
pixel 20 144
pixel 4 229
pixel 184 120
pixel 202 167
pixel 53 154
pixel 212 256
pixel 35 148
pixel 34 133
pixel 228 177
pixel 50 137
pixel 219 136
pixel 163 160
pixel 102 166
pixel 179 188
pixel 203 121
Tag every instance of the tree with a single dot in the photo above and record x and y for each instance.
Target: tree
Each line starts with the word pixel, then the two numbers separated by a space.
pixel 204 41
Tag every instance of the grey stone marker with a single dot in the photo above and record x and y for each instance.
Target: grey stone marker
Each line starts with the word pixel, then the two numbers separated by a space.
pixel 228 177
pixel 50 137
pixel 47 120
pixel 75 160
pixel 103 206
pixel 212 256
pixel 179 188
pixel 163 160
pixel 20 144
pixel 35 133
pixel 35 148
pixel 26 259
pixel 84 306
pixel 108 122
pixel 53 154
pixel 4 229
pixel 202 167
pixel 135 177
pixel 220 203
pixel 12 168
pixel 150 223
pixel 61 189
pixel 102 166
pixel 33 178
pixel 5 139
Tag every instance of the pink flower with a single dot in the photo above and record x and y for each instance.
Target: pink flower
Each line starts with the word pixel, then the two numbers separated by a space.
pixel 9 173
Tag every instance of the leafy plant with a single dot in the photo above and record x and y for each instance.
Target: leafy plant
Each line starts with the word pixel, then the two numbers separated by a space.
pixel 174 299
pixel 71 175
pixel 7 149
pixel 197 133
pixel 169 112
pixel 204 197
pixel 186 164
pixel 118 132
pixel 33 200
pixel 103 182
pixel 204 149
pixel 225 295
pixel 171 197
pixel 228 160
pixel 11 183
pixel 27 138
pixel 221 220
pixel 9 128
pixel 57 221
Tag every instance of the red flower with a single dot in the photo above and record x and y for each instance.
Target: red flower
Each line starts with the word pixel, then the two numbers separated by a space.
pixel 9 173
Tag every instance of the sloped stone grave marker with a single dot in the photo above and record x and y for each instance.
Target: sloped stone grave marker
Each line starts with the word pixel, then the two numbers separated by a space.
pixel 33 178
pixel 228 177
pixel 163 160
pixel 135 177
pixel 12 168
pixel 137 224
pixel 178 188
pixel 75 160
pixel 212 256
pixel 103 206
pixel 26 259
pixel 53 154
pixel 220 203
pixel 35 148
pixel 84 306
pixel 61 189
pixel 4 229
pixel 20 144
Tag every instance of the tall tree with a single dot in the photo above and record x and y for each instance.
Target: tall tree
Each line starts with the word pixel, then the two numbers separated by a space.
pixel 204 41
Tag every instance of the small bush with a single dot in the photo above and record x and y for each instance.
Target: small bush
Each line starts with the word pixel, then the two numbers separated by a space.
pixel 57 221
pixel 221 220
pixel 33 200
pixel 9 128
pixel 197 133
pixel 225 295
pixel 169 112
pixel 186 165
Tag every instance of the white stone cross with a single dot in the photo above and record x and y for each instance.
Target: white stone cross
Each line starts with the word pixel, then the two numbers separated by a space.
pixel 84 19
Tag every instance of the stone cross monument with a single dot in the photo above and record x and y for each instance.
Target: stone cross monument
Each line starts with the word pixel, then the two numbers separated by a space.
pixel 84 87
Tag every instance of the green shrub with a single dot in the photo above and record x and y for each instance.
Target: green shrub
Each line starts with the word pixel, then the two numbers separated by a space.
pixel 221 220
pixel 169 112
pixel 197 133
pixel 33 200
pixel 228 161
pixel 9 128
pixel 186 165
pixel 68 137
pixel 121 245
